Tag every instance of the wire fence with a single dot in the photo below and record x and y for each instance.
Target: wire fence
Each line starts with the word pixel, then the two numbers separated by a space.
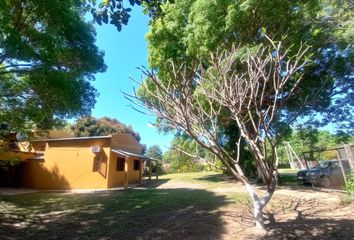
pixel 327 173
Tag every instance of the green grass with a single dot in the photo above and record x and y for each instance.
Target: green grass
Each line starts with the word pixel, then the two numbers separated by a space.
pixel 130 214
pixel 287 170
pixel 208 179
pixel 287 176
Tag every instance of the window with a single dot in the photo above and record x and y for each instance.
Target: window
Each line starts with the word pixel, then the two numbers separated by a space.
pixel 136 165
pixel 96 164
pixel 120 164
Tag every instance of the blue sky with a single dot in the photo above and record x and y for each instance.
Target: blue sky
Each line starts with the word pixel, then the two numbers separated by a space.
pixel 124 52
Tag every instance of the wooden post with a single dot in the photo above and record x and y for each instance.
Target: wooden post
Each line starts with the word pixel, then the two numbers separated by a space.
pixel 341 168
pixel 350 155
pixel 126 173
pixel 157 170
pixel 150 169
pixel 308 169
pixel 140 171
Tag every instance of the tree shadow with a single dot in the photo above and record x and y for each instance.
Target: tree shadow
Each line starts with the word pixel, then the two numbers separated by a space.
pixel 217 178
pixel 153 183
pixel 39 177
pixel 32 174
pixel 308 220
pixel 132 214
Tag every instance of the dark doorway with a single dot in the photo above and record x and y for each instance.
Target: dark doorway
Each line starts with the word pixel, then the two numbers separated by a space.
pixel 12 176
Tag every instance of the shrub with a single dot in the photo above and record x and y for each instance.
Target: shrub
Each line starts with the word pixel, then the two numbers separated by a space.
pixel 350 184
pixel 7 164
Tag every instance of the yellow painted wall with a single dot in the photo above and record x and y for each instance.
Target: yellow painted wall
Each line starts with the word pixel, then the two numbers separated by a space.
pixel 126 142
pixel 68 165
pixel 116 178
pixel 133 176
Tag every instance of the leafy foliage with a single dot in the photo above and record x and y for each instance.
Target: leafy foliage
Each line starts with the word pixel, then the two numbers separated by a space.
pixel 91 126
pixel 188 30
pixel 5 165
pixel 114 12
pixel 181 162
pixel 350 184
pixel 154 151
pixel 311 139
pixel 47 59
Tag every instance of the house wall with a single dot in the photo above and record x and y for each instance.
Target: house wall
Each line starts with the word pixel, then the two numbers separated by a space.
pixel 68 164
pixel 133 176
pixel 116 178
pixel 126 142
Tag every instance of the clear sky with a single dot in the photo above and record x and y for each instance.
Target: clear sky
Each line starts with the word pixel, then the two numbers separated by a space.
pixel 124 52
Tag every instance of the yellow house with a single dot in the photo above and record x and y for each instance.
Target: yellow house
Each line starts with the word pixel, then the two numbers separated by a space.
pixel 82 162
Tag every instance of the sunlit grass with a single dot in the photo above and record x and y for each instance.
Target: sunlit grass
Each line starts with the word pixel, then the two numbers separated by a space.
pixel 287 170
pixel 207 179
pixel 114 213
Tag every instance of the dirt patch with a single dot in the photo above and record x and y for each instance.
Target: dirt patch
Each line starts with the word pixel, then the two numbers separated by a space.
pixel 293 213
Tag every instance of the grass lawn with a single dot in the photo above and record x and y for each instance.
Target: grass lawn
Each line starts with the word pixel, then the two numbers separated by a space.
pixel 288 170
pixel 177 206
pixel 141 213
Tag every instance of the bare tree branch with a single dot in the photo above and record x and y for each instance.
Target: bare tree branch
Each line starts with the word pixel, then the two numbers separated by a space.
pixel 193 98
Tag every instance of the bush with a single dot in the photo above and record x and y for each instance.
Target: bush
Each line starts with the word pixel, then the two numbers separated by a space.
pixel 284 165
pixel 7 164
pixel 178 167
pixel 350 184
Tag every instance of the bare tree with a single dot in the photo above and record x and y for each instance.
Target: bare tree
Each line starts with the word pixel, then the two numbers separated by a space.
pixel 253 89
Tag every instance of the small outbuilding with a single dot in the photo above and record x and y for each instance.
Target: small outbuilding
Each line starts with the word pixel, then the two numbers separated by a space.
pixel 80 162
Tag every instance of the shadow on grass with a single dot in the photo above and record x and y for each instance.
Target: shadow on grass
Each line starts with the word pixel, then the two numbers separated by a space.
pixel 312 228
pixel 153 183
pixel 130 214
pixel 306 221
pixel 217 178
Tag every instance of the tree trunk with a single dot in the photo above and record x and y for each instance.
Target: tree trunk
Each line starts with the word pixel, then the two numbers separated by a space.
pixel 260 203
pixel 260 175
pixel 258 214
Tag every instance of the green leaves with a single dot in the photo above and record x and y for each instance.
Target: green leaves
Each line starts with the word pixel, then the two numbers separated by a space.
pixel 114 12
pixel 91 126
pixel 47 57
pixel 188 31
pixel 154 151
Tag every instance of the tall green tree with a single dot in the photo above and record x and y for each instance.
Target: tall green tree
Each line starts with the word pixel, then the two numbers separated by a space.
pixel 311 139
pixel 188 30
pixel 48 59
pixel 91 126
pixel 155 152
pixel 178 159
pixel 117 13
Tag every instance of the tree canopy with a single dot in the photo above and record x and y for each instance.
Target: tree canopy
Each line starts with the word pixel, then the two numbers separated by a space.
pixel 116 13
pixel 311 139
pixel 188 30
pixel 91 126
pixel 48 57
pixel 154 151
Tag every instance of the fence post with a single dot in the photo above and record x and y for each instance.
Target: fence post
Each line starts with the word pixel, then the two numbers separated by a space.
pixel 349 151
pixel 342 169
